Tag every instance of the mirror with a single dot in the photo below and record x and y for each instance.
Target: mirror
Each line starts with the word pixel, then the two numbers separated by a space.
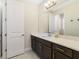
pixel 71 19
pixel 56 23
pixel 66 21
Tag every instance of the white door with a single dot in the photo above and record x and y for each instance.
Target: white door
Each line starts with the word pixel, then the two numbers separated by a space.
pixel 15 28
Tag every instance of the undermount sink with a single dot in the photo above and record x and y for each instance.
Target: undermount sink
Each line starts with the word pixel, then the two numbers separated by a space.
pixel 46 34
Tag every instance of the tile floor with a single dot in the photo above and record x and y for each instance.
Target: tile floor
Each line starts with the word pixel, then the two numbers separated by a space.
pixel 27 55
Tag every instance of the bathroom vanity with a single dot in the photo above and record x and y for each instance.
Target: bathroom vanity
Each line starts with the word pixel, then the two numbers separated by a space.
pixel 54 48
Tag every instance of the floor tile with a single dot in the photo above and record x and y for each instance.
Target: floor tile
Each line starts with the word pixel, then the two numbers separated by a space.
pixel 27 55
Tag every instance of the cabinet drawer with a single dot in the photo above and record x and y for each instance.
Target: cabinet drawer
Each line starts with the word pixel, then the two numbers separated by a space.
pixel 58 55
pixel 46 43
pixel 63 50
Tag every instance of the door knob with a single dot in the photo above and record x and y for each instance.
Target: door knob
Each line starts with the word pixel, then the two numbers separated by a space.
pixel 0 34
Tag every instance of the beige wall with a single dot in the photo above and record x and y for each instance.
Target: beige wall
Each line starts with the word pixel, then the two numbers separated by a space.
pixel 31 22
pixel 36 20
pixel 43 19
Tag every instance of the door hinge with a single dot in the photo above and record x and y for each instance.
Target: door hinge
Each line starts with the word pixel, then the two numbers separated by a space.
pixel 5 34
pixel 5 4
pixel 5 19
pixel 5 50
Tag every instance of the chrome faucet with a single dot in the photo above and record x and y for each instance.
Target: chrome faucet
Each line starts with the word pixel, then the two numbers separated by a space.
pixel 56 34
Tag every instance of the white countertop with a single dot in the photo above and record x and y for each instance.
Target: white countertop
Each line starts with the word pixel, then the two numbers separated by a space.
pixel 67 41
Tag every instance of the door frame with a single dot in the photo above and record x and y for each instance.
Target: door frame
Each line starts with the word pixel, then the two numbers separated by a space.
pixel 4 30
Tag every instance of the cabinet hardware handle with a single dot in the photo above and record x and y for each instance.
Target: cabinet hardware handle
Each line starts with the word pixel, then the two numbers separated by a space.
pixel 59 49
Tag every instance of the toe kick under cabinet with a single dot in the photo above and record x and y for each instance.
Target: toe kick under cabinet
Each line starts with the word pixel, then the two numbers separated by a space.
pixel 49 50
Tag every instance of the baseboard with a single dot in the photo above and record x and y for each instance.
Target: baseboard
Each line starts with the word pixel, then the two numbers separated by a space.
pixel 0 58
pixel 27 49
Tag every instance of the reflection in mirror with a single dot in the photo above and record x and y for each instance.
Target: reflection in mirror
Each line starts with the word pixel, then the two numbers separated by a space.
pixel 71 16
pixel 56 23
pixel 67 22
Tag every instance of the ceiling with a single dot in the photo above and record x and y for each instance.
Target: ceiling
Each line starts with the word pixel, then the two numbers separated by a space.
pixel 36 1
pixel 33 1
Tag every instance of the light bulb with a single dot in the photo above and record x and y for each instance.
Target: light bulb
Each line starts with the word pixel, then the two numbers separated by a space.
pixel 49 2
pixel 46 5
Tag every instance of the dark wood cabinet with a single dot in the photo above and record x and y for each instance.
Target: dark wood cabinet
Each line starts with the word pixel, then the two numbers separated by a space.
pixel 58 55
pixel 46 52
pixel 36 45
pixel 61 52
pixel 41 47
pixel 38 48
pixel 33 43
pixel 75 55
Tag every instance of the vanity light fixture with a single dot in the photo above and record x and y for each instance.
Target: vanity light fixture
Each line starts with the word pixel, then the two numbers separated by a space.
pixel 46 5
pixel 50 3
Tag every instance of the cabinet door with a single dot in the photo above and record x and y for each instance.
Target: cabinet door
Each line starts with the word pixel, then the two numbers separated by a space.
pixel 33 44
pixel 75 55
pixel 46 52
pixel 38 48
pixel 58 55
